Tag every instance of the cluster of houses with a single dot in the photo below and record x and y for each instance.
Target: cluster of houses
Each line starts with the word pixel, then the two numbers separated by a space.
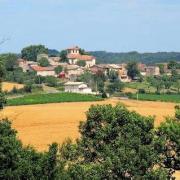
pixel 71 69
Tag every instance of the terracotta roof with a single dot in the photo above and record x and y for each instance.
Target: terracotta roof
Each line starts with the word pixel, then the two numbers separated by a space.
pixel 73 48
pixel 80 57
pixel 39 68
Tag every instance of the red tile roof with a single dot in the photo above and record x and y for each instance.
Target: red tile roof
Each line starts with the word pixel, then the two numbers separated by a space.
pixel 39 68
pixel 80 57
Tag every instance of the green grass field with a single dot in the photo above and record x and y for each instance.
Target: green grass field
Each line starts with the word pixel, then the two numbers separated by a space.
pixel 141 85
pixel 51 98
pixel 156 97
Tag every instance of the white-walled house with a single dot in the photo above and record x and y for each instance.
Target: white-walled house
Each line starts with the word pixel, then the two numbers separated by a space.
pixel 43 71
pixel 77 87
pixel 73 55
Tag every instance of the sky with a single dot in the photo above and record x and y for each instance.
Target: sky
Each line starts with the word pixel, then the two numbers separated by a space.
pixel 110 25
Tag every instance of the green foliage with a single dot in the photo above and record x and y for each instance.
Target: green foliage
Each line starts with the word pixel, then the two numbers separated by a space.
pixel 161 68
pixel 132 69
pixel 18 162
pixel 147 58
pixel 81 63
pixel 51 81
pixel 173 65
pixel 156 82
pixel 113 76
pixel 170 131
pixel 19 76
pixel 58 69
pixel 95 81
pixel 63 56
pixel 51 98
pixel 43 62
pixel 83 52
pixel 28 87
pixel 104 95
pixel 30 53
pixel 39 79
pixel 2 95
pixel 10 61
pixel 117 144
pixel 115 87
pixel 177 112
pixel 157 97
pixel 3 100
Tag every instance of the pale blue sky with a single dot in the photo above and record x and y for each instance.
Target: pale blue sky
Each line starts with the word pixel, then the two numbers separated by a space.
pixel 112 25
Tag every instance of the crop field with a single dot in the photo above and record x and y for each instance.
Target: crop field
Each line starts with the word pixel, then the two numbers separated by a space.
pixel 40 125
pixel 51 98
pixel 158 97
pixel 8 86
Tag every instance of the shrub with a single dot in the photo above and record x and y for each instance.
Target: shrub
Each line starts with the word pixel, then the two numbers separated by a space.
pixel 142 91
pixel 104 95
pixel 28 88
pixel 51 81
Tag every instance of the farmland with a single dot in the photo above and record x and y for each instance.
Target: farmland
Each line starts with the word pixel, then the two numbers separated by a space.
pixel 40 125
pixel 156 97
pixel 51 98
pixel 8 86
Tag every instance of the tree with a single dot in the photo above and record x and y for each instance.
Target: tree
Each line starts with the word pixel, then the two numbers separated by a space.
pixel 43 62
pixel 177 85
pixel 51 81
pixel 2 95
pixel 83 52
pixel 81 63
pixel 169 131
pixel 117 144
pixel 167 82
pixel 63 56
pixel 58 69
pixel 161 68
pixel 30 53
pixel 132 69
pixel 10 61
pixel 113 76
pixel 19 162
pixel 115 87
pixel 172 65
pixel 157 83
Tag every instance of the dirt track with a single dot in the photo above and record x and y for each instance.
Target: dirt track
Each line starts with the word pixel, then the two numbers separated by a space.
pixel 40 125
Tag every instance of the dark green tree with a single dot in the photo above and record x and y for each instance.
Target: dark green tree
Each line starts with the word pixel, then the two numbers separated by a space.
pixel 51 81
pixel 81 63
pixel 117 144
pixel 132 69
pixel 169 131
pixel 116 86
pixel 43 62
pixel 58 69
pixel 30 53
pixel 2 95
pixel 63 56
pixel 10 61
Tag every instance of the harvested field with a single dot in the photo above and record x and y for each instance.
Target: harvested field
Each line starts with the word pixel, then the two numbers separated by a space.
pixel 40 125
pixel 8 86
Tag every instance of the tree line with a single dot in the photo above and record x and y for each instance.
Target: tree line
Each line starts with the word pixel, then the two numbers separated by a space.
pixel 147 58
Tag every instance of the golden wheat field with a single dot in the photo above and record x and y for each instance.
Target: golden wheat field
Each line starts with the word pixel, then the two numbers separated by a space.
pixel 8 86
pixel 40 125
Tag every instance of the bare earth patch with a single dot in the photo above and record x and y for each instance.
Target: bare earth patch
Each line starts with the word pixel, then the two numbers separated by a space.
pixel 40 125
pixel 8 86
